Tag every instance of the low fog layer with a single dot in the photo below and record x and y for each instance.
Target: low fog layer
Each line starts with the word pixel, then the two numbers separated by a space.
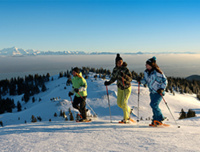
pixel 177 65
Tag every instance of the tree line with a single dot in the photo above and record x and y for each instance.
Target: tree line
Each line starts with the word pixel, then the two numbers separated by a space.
pixel 180 85
pixel 28 86
pixel 31 85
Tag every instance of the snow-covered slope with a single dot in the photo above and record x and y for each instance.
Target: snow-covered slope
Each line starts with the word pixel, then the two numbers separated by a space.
pixel 99 135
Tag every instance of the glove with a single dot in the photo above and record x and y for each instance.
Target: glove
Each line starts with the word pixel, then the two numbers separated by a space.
pixel 76 90
pixel 107 83
pixel 70 94
pixel 139 80
pixel 160 91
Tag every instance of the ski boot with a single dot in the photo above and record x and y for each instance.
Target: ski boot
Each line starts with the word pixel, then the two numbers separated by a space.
pixel 84 120
pixel 124 121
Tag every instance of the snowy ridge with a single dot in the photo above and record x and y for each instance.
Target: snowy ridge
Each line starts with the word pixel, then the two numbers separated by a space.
pixel 18 52
pixel 100 134
pixel 13 51
pixel 21 52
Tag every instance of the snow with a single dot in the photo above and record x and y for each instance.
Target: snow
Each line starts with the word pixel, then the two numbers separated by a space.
pixel 100 134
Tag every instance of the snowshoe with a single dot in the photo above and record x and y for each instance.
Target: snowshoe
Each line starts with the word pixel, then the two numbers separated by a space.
pixel 157 123
pixel 128 121
pixel 131 120
pixel 124 121
pixel 84 120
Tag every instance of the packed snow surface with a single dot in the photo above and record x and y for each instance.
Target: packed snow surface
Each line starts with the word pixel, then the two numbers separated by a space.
pixel 103 133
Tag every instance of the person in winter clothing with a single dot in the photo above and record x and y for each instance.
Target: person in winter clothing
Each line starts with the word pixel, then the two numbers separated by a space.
pixel 156 82
pixel 79 87
pixel 123 76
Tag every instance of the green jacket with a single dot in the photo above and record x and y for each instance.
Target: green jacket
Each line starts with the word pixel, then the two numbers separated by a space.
pixel 80 83
pixel 116 75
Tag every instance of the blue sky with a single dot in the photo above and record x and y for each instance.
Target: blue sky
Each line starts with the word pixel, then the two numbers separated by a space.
pixel 101 25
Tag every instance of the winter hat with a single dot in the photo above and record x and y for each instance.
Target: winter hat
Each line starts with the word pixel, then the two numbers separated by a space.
pixel 117 58
pixel 76 69
pixel 151 61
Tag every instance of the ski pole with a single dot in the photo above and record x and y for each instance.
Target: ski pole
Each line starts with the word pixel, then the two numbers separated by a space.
pixel 138 101
pixel 108 103
pixel 87 104
pixel 169 110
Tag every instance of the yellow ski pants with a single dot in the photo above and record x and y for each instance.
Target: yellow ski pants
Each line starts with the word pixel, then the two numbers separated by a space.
pixel 122 101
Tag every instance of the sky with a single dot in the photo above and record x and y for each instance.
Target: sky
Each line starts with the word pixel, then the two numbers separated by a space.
pixel 101 25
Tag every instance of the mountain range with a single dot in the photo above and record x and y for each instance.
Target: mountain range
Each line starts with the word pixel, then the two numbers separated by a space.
pixel 14 51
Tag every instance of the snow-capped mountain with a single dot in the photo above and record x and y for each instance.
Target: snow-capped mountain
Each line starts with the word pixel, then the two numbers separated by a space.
pixel 21 52
pixel 13 51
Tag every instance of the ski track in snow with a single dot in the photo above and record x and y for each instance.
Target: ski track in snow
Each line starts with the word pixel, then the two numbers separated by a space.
pixel 100 134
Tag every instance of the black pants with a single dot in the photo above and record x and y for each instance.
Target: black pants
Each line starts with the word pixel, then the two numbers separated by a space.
pixel 79 103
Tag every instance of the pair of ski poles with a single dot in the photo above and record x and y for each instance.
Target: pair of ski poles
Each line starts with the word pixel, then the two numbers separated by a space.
pixel 138 119
pixel 124 95
pixel 85 102
pixel 164 102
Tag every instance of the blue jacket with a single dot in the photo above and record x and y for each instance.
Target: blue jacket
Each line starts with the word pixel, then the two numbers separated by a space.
pixel 154 80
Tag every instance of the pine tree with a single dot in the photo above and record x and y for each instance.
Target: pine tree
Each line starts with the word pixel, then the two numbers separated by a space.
pixel 68 74
pixel 69 81
pixel 69 110
pixel 86 76
pixel 26 96
pixel 33 119
pixel 44 88
pixel 104 77
pixel 60 74
pixel 183 115
pixel 39 118
pixel 33 99
pixel 191 113
pixel 71 116
pixel 95 76
pixel 19 106
pixel 1 123
pixel 48 76
pixel 61 113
